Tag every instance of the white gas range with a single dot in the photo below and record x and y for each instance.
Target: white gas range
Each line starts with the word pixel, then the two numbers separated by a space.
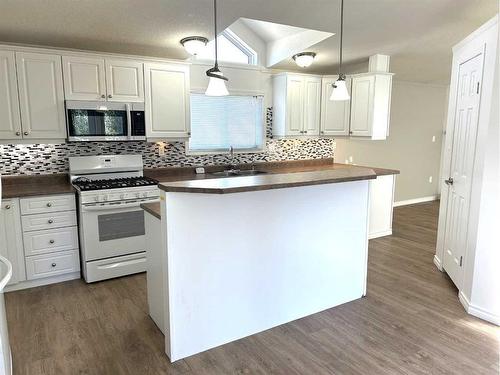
pixel 111 189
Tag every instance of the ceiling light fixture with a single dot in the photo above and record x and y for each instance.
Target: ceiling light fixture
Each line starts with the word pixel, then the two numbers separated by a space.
pixel 217 83
pixel 304 59
pixel 339 91
pixel 194 44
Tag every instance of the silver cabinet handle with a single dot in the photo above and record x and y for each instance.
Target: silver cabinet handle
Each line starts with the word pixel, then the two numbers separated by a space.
pixel 50 221
pixel 54 264
pixel 7 207
pixel 110 96
pixel 18 133
pixel 26 133
pixel 103 96
pixel 52 241
pixel 449 181
pixel 49 204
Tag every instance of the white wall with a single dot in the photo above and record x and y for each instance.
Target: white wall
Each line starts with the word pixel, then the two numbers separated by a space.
pixel 418 112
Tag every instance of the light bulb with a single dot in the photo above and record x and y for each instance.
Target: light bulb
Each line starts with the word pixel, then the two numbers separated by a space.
pixel 339 91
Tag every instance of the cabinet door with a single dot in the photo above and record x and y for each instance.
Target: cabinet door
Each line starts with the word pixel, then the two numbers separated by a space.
pixel 11 239
pixel 362 106
pixel 125 81
pixel 167 101
pixel 334 114
pixel 10 117
pixel 312 105
pixel 84 78
pixel 41 95
pixel 295 105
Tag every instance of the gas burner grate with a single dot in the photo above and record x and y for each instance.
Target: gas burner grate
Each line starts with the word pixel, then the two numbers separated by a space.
pixel 84 184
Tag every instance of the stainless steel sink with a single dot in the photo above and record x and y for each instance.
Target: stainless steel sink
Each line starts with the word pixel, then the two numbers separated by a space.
pixel 237 172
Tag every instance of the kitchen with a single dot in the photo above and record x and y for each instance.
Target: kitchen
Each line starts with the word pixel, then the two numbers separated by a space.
pixel 118 168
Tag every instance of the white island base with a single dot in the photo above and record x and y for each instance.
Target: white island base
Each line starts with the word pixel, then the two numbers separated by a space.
pixel 237 264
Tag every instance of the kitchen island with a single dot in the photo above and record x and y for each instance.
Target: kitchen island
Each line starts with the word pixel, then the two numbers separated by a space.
pixel 241 255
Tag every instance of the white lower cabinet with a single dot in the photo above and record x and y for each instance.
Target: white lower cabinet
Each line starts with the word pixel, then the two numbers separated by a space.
pixel 39 236
pixel 11 239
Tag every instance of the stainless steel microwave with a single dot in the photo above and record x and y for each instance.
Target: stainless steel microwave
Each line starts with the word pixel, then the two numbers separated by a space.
pixel 102 121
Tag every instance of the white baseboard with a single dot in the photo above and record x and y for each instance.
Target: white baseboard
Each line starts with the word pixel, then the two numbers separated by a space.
pixel 416 200
pixel 380 234
pixel 40 282
pixel 437 262
pixel 477 311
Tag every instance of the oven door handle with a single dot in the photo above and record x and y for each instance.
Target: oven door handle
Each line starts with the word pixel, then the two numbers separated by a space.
pixel 129 121
pixel 108 207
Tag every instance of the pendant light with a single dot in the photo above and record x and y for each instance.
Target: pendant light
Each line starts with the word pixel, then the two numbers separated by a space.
pixel 339 91
pixel 217 83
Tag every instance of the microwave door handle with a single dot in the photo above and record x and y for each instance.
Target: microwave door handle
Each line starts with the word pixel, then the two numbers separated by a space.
pixel 129 121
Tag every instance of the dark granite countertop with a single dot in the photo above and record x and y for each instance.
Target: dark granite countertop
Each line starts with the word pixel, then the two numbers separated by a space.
pixel 28 186
pixel 152 208
pixel 276 180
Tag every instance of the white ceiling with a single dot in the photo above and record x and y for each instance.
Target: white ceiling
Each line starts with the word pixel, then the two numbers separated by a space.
pixel 418 34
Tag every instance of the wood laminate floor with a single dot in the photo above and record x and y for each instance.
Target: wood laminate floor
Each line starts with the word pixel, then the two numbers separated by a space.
pixel 411 322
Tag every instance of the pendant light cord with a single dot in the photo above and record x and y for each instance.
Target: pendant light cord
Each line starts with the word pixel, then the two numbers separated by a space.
pixel 215 32
pixel 341 34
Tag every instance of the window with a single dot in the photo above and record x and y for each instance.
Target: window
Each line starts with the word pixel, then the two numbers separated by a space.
pixel 230 49
pixel 219 122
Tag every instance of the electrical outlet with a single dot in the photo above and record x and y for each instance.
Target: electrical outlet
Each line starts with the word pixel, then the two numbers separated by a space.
pixel 350 159
pixel 161 148
pixel 430 179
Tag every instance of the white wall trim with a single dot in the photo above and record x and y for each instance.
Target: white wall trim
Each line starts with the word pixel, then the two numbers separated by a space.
pixel 476 311
pixel 437 262
pixel 416 200
pixel 383 233
pixel 40 282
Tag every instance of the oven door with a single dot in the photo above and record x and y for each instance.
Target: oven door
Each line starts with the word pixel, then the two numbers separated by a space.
pixel 113 229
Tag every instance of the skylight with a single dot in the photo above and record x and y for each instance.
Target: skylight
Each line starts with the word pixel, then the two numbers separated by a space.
pixel 231 49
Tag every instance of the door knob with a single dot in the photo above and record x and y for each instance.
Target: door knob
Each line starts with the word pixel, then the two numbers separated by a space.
pixel 52 241
pixel 18 133
pixel 7 207
pixel 110 96
pixel 53 264
pixel 26 133
pixel 49 204
pixel 103 96
pixel 50 221
pixel 449 181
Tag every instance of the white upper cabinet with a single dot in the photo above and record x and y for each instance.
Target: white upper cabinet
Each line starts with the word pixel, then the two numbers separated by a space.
pixel 124 80
pixel 10 117
pixel 370 105
pixel 100 79
pixel 296 102
pixel 84 78
pixel 334 114
pixel 167 101
pixel 41 95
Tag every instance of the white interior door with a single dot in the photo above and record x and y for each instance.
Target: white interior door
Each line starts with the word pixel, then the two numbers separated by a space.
pixel 462 164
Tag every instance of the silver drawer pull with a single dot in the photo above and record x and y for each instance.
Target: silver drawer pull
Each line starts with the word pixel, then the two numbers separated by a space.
pixel 53 264
pixel 49 204
pixel 52 241
pixel 7 207
pixel 50 221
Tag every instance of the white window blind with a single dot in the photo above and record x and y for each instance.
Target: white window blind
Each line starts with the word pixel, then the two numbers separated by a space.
pixel 219 122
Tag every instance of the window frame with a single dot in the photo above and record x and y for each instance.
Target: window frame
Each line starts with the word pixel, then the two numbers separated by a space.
pixel 257 150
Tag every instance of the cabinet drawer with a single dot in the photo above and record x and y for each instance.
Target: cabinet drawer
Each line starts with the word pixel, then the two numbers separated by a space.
pixel 50 241
pixel 52 264
pixel 48 203
pixel 49 221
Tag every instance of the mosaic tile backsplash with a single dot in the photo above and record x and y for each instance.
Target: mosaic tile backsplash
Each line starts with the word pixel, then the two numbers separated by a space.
pixel 29 159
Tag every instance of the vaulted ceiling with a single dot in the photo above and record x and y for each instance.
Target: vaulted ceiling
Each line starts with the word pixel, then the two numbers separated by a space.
pixel 418 34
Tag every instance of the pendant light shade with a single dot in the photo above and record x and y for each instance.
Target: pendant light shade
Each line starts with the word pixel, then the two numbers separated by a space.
pixel 339 91
pixel 217 82
pixel 216 85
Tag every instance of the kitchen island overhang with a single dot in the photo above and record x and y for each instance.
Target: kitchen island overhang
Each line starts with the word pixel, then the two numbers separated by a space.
pixel 245 254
